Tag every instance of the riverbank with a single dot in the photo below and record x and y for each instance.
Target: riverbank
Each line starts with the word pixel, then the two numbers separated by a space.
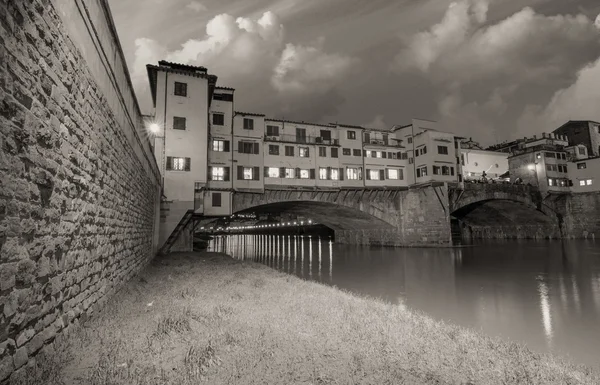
pixel 204 316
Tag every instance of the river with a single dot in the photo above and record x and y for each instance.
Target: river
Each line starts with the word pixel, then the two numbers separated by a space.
pixel 545 294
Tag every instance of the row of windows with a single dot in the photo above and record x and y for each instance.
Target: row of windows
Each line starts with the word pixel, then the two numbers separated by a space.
pixel 558 182
pixel 556 167
pixel 219 120
pixel 437 170
pixel 557 155
pixel 220 173
pixel 178 163
pixel 585 182
pixel 421 151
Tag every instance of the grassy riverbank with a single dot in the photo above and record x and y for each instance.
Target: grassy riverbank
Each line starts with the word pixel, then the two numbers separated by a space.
pixel 206 317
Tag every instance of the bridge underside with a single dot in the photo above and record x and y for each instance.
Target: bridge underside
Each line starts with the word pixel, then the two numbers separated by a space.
pixel 333 216
pixel 504 219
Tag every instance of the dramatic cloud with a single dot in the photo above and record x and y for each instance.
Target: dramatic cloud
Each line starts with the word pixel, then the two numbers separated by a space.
pixel 377 122
pixel 483 71
pixel 252 55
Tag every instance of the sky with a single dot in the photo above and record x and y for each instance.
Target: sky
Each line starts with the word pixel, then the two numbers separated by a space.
pixel 492 70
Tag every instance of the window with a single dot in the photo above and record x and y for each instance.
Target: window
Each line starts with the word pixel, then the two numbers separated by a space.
pixel 303 152
pixel 374 174
pixel 424 150
pixel 248 124
pixel 216 199
pixel 178 123
pixel 582 183
pixel 301 135
pixel 289 150
pixel 550 155
pixel 462 159
pixel 289 173
pixel 180 89
pixel 272 130
pixel 422 171
pixel 443 150
pixel 392 173
pixel 404 155
pixel 581 150
pixel 411 160
pixel 581 166
pixel 588 182
pixel 346 151
pixel 273 149
pixel 356 152
pixel 436 170
pixel 223 97
pixel 326 134
pixel 248 173
pixel 218 174
pixel 323 173
pixel 445 170
pixel 178 163
pixel 218 119
pixel 353 173
pixel 220 145
pixel 373 154
pixel 248 147
pixel 304 174
pixel 351 135
pixel 322 151
pixel 550 182
pixel 273 172
pixel 335 174
pixel 409 140
pixel 334 152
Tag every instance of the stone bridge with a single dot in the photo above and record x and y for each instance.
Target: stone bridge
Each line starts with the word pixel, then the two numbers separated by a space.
pixel 413 217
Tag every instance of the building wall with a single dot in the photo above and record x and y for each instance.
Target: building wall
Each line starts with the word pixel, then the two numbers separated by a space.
pixel 532 168
pixel 578 175
pixel 477 161
pixel 246 160
pixel 582 132
pixel 352 138
pixel 80 188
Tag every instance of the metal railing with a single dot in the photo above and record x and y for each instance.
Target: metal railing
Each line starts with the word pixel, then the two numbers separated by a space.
pixel 302 139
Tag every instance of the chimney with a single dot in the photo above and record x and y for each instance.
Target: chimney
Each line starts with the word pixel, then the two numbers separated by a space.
pixel 543 135
pixel 534 137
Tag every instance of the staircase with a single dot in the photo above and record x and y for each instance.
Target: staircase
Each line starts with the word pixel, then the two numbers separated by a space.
pixel 185 220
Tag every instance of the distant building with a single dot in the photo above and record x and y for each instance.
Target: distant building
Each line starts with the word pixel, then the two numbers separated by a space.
pixel 476 162
pixel 584 132
pixel 585 175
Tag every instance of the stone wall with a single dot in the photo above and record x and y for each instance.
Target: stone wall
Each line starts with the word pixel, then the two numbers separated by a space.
pixel 580 213
pixel 79 188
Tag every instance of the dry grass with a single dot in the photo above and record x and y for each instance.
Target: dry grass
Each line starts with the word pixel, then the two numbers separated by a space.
pixel 205 318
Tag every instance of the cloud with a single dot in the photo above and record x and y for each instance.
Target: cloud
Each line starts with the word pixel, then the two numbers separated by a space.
pixel 196 6
pixel 485 73
pixel 253 56
pixel 377 122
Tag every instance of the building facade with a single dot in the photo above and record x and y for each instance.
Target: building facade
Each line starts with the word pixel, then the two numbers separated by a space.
pixel 475 162
pixel 584 132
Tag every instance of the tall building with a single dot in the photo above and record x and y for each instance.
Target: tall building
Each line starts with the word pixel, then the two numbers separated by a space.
pixel 584 132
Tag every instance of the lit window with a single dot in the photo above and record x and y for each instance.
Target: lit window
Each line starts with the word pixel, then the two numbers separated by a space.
pixel 248 173
pixel 323 173
pixel 218 173
pixel 588 182
pixel 352 173
pixel 550 182
pixel 374 174
pixel 303 152
pixel 376 154
pixel 178 164
pixel 582 183
pixel 392 173
pixel 218 145
pixel 289 173
pixel 304 174
pixel 273 172
pixel 581 166
pixel 335 174
pixel 421 171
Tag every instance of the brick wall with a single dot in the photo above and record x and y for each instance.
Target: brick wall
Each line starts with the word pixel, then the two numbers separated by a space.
pixel 581 215
pixel 79 188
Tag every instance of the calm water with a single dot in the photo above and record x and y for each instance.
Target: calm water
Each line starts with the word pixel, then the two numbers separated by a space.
pixel 544 294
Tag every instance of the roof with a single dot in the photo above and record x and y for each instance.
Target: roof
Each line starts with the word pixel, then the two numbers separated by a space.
pixel 153 74
pixel 224 88
pixel 248 113
pixel 179 66
pixel 347 126
pixel 297 122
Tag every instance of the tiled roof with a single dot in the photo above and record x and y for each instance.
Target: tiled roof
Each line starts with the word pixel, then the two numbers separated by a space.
pixel 248 113
pixel 184 67
pixel 225 88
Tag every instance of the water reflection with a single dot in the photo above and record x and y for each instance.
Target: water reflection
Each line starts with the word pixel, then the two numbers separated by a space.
pixel 545 294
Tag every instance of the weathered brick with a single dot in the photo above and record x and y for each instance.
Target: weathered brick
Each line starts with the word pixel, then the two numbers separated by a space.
pixel 8 273
pixel 20 358
pixel 6 367
pixel 25 336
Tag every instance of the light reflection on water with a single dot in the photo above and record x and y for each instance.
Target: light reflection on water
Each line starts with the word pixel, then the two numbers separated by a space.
pixel 545 294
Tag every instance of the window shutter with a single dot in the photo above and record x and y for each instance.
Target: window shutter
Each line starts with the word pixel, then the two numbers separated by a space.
pixel 188 162
pixel 341 173
pixel 307 152
pixel 328 172
pixel 364 153
pixel 226 174
pixel 256 173
pixel 210 173
pixel 226 146
pixel 265 172
pixel 384 154
pixel 401 174
pixel 312 173
pixel 367 137
pixel 297 173
pixel 169 162
pixel 368 174
pixel 240 172
pixel 255 148
pixel 240 147
pixel 360 173
pixel 382 174
pixel 282 172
